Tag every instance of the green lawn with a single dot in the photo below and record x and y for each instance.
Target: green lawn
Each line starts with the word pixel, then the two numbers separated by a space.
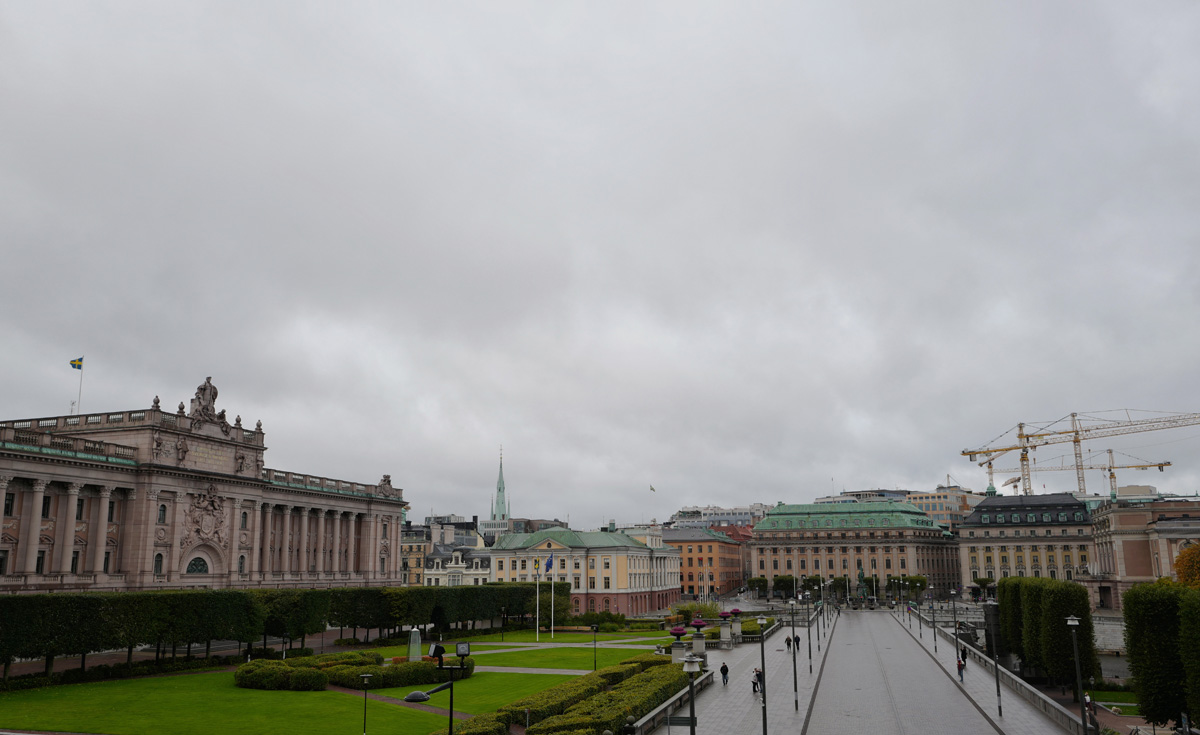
pixel 557 658
pixel 485 691
pixel 1103 696
pixel 391 651
pixel 527 636
pixel 202 704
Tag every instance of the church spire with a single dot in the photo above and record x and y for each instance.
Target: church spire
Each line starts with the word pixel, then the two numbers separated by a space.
pixel 499 506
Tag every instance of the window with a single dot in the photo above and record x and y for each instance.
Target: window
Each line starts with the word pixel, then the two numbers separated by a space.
pixel 162 514
pixel 196 566
pixel 107 557
pixel 158 563
pixel 79 509
pixel 762 564
pixel 385 530
pixel 986 519
pixel 591 564
pixel 3 562
pixel 45 508
pixel 9 499
pixel 500 565
pixel 111 505
pixel 774 563
pixel 523 565
pixel 40 564
pixel 74 562
pixel 242 564
pixel 1045 518
pixel 591 583
pixel 1062 517
pixel 245 520
pixel 1016 517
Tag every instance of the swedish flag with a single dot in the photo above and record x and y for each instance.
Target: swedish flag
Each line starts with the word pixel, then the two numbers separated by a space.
pixel 77 363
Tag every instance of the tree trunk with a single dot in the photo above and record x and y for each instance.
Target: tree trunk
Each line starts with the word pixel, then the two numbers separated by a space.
pixel 49 665
pixel 303 639
pixel 189 651
pixel 174 650
pixel 129 657
pixel 83 661
pixel 208 649
pixel 7 664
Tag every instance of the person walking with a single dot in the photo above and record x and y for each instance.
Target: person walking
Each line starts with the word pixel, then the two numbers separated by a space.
pixel 796 641
pixel 724 674
pixel 961 666
pixel 761 677
pixel 963 657
pixel 788 642
pixel 754 681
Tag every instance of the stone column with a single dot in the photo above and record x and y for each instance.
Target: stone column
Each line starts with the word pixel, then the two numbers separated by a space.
pixel 351 565
pixel 256 522
pixel 235 535
pixel 337 542
pixel 307 549
pixel 173 564
pixel 64 536
pixel 98 529
pixel 33 525
pixel 286 543
pixel 367 559
pixel 319 551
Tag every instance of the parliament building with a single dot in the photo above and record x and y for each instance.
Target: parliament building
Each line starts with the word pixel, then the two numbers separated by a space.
pixel 154 499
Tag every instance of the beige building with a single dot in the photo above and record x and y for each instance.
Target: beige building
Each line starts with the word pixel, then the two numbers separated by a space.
pixel 883 539
pixel 1137 540
pixel 948 505
pixel 607 571
pixel 152 499
pixel 1026 536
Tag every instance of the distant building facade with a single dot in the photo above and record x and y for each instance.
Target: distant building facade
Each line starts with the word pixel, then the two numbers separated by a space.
pixel 607 571
pixel 1138 536
pixel 710 562
pixel 154 499
pixel 455 566
pixel 695 516
pixel 948 505
pixel 1026 536
pixel 883 539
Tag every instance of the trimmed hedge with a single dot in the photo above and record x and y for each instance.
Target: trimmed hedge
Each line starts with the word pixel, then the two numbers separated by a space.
pixel 619 673
pixel 552 701
pixel 396 675
pixel 635 697
pixel 104 672
pixel 1152 642
pixel 486 724
pixel 646 660
pixel 313 673
pixel 264 674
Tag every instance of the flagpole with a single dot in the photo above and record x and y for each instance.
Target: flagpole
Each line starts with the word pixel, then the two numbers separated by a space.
pixel 79 398
pixel 551 606
pixel 537 591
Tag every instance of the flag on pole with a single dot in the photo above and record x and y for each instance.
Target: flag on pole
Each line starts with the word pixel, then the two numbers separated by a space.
pixel 537 567
pixel 77 363
pixel 652 488
pixel 550 564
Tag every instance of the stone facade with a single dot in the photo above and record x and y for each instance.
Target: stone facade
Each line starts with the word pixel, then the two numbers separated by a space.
pixel 1138 541
pixel 1026 536
pixel 710 562
pixel 153 499
pixel 883 539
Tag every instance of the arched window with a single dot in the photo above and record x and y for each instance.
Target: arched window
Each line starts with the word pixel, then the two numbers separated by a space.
pixel 244 518
pixel 162 514
pixel 158 562
pixel 242 561
pixel 197 566
pixel 606 607
pixel 591 605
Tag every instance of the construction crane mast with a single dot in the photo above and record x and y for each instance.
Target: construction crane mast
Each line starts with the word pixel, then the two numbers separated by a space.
pixel 1076 434
pixel 1080 467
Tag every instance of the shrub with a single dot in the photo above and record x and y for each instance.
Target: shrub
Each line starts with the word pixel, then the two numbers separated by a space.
pixel 552 701
pixel 346 642
pixel 646 660
pixel 487 724
pixel 1151 613
pixel 263 674
pixel 619 673
pixel 635 697
pixel 308 680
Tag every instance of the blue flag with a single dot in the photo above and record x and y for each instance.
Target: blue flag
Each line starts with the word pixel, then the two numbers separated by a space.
pixel 77 363
pixel 550 564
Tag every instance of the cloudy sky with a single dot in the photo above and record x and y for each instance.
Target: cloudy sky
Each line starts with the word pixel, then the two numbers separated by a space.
pixel 742 252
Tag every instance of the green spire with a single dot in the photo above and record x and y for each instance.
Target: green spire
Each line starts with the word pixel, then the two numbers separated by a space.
pixel 499 506
pixel 991 491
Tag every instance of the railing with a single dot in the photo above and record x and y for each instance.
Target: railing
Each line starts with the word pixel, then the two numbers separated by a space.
pixel 56 444
pixel 150 417
pixel 322 484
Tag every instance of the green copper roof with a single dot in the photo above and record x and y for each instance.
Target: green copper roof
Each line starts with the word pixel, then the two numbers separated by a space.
pixel 841 516
pixel 566 537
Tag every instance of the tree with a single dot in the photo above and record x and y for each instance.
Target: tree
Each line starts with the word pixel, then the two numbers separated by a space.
pixel 1187 566
pixel 1008 596
pixel 758 584
pixel 1152 639
pixel 1031 621
pixel 1189 647
pixel 983 583
pixel 916 586
pixel 1060 600
pixel 786 584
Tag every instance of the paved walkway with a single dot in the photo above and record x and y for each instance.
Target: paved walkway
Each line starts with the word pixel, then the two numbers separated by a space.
pixel 979 686
pixel 735 710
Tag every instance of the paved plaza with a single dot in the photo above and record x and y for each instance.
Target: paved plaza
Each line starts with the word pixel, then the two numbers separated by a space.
pixel 871 676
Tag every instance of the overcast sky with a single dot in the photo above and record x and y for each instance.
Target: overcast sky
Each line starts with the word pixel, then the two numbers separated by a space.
pixel 739 252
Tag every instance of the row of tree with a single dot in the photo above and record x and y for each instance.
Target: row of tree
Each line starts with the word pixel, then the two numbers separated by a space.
pixel 1033 625
pixel 789 584
pixel 45 626
pixel 1162 640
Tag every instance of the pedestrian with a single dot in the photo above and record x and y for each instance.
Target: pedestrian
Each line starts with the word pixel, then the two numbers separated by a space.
pixel 754 681
pixel 788 642
pixel 762 683
pixel 724 673
pixel 961 666
pixel 964 656
pixel 796 640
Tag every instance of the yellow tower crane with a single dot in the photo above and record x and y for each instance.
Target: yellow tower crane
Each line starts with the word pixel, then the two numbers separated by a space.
pixel 1110 467
pixel 1082 428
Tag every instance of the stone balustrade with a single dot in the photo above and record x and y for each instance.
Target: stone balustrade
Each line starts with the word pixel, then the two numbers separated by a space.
pixel 148 417
pixel 38 440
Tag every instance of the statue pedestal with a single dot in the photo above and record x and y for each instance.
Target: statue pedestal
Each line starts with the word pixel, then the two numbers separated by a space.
pixel 737 629
pixel 414 645
pixel 726 635
pixel 679 649
pixel 698 643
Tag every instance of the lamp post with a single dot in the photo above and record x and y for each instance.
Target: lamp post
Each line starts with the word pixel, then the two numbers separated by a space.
pixel 795 679
pixel 691 665
pixel 502 624
pixel 463 650
pixel 594 629
pixel 907 609
pixel 365 678
pixel 954 612
pixel 1073 624
pixel 762 654
pixel 995 657
pixel 933 625
pixel 808 628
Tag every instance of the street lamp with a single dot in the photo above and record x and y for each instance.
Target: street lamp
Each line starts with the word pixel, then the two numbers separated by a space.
pixel 594 629
pixel 365 678
pixel 462 650
pixel 762 654
pixel 795 680
pixel 1073 624
pixel 954 612
pixel 808 629
pixel 933 625
pixel 989 622
pixel 502 621
pixel 691 666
